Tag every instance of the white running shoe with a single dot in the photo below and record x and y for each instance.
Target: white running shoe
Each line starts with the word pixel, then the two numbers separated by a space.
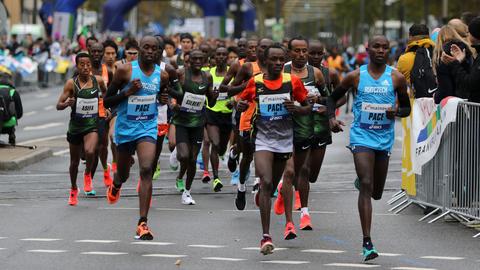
pixel 173 160
pixel 187 198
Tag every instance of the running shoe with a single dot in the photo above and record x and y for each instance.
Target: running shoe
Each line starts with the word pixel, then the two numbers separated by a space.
pixel 114 167
pixel 256 185
pixel 173 160
pixel 235 178
pixel 240 201
pixel 217 185
pixel 143 232
pixel 73 198
pixel 107 179
pixel 266 245
pixel 156 174
pixel 232 161
pixel 290 232
pixel 113 194
pixel 369 252
pixel 278 205
pixel 305 222
pixel 206 177
pixel 356 183
pixel 298 204
pixel 87 185
pixel 180 185
pixel 187 198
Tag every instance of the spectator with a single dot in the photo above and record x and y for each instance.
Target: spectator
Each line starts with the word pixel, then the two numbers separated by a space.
pixel 11 97
pixel 460 27
pixel 467 81
pixel 13 45
pixel 170 48
pixel 446 82
pixel 336 61
pixel 467 17
pixel 418 37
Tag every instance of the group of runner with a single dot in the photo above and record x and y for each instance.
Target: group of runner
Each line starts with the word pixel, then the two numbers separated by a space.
pixel 272 105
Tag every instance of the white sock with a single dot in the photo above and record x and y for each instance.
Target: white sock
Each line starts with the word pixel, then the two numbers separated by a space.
pixel 304 211
pixel 241 187
pixel 187 192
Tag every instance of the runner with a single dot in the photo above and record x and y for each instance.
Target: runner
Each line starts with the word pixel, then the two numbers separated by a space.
pixel 274 94
pixel 372 130
pixel 186 42
pixel 110 55
pixel 131 53
pixel 82 94
pixel 219 117
pixel 242 45
pixel 189 121
pixel 303 136
pixel 139 83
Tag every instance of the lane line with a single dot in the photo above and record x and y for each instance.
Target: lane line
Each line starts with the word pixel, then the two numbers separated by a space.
pixel 41 239
pixel 152 243
pixel 224 259
pixel 3 238
pixel 2 248
pixel 49 108
pixel 385 214
pixel 103 253
pixel 206 246
pixel 177 209
pixel 47 251
pixel 327 251
pixel 61 152
pixel 353 265
pixel 164 255
pixel 117 208
pixel 411 268
pixel 286 262
pixel 44 126
pixel 29 113
pixel 390 254
pixel 97 241
pixel 258 249
pixel 6 204
pixel 44 139
pixel 443 258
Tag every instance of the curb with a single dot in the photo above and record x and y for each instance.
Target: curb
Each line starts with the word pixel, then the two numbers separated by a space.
pixel 33 157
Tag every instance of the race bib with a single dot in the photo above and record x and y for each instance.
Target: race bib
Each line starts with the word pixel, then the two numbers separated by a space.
pixel 141 108
pixel 87 108
pixel 162 114
pixel 312 90
pixel 373 116
pixel 192 103
pixel 271 106
pixel 221 96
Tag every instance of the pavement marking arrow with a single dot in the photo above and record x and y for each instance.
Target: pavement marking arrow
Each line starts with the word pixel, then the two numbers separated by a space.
pixel 224 259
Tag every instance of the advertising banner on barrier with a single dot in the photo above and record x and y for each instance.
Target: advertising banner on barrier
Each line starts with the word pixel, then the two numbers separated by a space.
pixel 408 175
pixel 429 121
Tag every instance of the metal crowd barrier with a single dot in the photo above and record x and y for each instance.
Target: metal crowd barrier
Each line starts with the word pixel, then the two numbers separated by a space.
pixel 450 181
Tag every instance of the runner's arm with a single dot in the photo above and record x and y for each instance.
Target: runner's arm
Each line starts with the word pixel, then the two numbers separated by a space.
pixel 66 99
pixel 101 84
pixel 163 94
pixel 114 97
pixel 212 94
pixel 240 81
pixel 404 108
pixel 175 89
pixel 340 92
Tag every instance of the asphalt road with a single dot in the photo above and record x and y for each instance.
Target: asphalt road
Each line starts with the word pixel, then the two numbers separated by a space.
pixel 38 230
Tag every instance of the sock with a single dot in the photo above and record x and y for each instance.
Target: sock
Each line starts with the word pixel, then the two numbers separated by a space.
pixel 304 211
pixel 232 155
pixel 142 219
pixel 265 235
pixel 241 187
pixel 187 191
pixel 74 188
pixel 367 241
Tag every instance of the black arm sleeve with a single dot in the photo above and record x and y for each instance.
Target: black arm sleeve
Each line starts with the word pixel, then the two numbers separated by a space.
pixel 332 100
pixel 403 106
pixel 18 104
pixel 113 98
pixel 176 90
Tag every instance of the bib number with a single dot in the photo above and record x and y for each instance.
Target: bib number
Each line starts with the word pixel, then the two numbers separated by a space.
pixel 87 108
pixel 271 106
pixel 162 114
pixel 192 103
pixel 312 90
pixel 141 108
pixel 374 117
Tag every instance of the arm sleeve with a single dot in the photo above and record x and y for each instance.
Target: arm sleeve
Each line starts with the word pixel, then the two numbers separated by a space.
pixel 176 90
pixel 249 93
pixel 299 91
pixel 113 97
pixel 18 104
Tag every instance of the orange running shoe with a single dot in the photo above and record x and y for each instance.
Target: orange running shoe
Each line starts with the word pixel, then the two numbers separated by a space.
pixel 298 204
pixel 266 245
pixel 113 198
pixel 143 232
pixel 107 179
pixel 305 222
pixel 114 167
pixel 290 231
pixel 73 198
pixel 88 185
pixel 279 206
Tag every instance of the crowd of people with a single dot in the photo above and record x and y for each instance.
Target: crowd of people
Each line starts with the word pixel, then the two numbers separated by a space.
pixel 252 100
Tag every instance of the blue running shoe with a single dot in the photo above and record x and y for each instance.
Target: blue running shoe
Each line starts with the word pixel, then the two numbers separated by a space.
pixel 369 252
pixel 235 177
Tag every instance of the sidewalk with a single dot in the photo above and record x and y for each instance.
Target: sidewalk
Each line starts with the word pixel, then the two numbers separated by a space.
pixel 15 158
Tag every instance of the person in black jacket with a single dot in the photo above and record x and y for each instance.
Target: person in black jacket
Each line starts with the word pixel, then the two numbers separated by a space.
pixel 466 81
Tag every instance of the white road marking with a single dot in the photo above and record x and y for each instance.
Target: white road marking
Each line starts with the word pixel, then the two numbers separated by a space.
pixel 3 238
pixel 258 249
pixel 224 259
pixel 443 258
pixel 42 95
pixel 286 262
pixel 44 126
pixel 206 246
pixel 177 209
pixel 327 251
pixel 33 175
pixel 61 152
pixel 41 239
pixel 390 254
pixel 411 268
pixel 47 251
pixel 97 241
pixel 44 139
pixel 164 255
pixel 353 265
pixel 104 253
pixel 49 108
pixel 152 243
pixel 2 248
pixel 5 204
pixel 385 214
pixel 319 212
pixel 29 113
pixel 117 208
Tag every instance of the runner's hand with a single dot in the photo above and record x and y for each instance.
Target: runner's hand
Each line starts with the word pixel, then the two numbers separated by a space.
pixel 176 108
pixel 69 102
pixel 290 106
pixel 136 85
pixel 108 115
pixel 391 113
pixel 215 93
pixel 447 59
pixel 242 105
pixel 223 88
pixel 336 125
pixel 229 104
pixel 163 98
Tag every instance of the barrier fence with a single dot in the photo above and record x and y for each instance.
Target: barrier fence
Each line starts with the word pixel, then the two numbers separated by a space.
pixel 450 181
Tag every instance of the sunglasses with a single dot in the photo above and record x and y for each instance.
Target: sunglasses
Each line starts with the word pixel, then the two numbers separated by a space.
pixel 132 53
